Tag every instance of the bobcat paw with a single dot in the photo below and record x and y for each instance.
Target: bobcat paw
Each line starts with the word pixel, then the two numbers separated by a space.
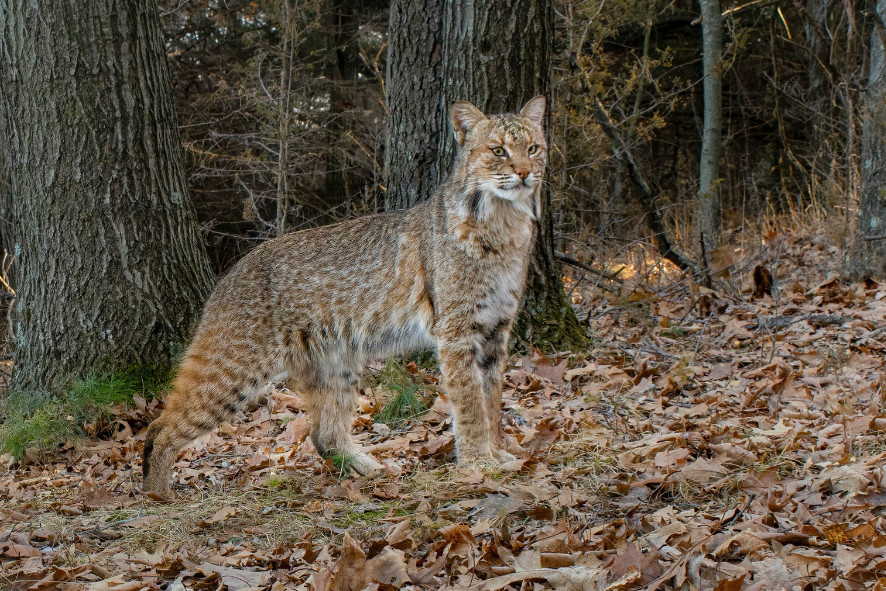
pixel 502 456
pixel 488 461
pixel 366 465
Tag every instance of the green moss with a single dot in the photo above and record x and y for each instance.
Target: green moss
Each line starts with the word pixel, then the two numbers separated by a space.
pixel 41 421
pixel 552 327
pixel 674 332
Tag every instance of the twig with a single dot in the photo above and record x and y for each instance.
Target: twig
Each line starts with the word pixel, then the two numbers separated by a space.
pixel 653 348
pixel 700 335
pixel 870 335
pixel 208 457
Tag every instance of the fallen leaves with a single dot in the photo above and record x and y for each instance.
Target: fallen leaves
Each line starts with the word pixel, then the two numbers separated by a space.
pixel 725 438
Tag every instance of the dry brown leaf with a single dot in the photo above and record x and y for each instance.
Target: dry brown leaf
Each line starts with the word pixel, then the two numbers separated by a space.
pixel 743 543
pixel 219 516
pixel 585 370
pixel 552 373
pixel 296 431
pixel 350 575
pixel 118 583
pixel 627 581
pixel 18 550
pixel 704 471
pixel 730 584
pixel 495 505
pixel 388 568
pixel 98 497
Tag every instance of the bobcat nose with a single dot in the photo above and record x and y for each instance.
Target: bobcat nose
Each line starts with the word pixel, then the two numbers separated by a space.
pixel 522 172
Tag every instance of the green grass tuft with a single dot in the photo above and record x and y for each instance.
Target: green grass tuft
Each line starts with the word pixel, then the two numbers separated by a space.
pixel 407 402
pixel 343 463
pixel 274 482
pixel 42 421
pixel 405 405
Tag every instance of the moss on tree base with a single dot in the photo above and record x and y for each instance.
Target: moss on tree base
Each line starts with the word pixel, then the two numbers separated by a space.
pixel 549 323
pixel 867 259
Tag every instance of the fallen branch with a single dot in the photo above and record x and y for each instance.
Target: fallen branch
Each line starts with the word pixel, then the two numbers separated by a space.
pixel 646 195
pixel 568 260
pixel 815 320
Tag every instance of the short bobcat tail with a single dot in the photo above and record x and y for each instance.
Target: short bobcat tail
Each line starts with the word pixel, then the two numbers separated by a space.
pixel 146 453
pixel 206 392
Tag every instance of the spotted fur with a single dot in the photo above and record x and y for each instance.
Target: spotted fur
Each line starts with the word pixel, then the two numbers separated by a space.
pixel 316 305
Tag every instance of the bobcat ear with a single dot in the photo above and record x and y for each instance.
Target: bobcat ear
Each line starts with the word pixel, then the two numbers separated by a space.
pixel 464 117
pixel 534 110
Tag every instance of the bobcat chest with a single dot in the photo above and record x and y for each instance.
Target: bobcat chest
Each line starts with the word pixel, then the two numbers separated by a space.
pixel 499 294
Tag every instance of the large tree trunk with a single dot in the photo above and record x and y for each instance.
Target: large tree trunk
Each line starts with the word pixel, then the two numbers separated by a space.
pixel 341 27
pixel 497 56
pixel 819 98
pixel 414 95
pixel 868 254
pixel 111 268
pixel 708 216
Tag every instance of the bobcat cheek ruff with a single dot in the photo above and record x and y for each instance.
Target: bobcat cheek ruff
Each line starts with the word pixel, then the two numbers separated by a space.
pixel 446 275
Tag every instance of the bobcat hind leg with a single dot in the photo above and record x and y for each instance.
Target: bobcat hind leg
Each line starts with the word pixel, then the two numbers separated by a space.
pixel 205 393
pixel 331 395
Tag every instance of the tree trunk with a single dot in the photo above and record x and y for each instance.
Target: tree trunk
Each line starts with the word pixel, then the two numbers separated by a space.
pixel 820 100
pixel 414 95
pixel 709 169
pixel 341 27
pixel 112 271
pixel 498 56
pixel 868 254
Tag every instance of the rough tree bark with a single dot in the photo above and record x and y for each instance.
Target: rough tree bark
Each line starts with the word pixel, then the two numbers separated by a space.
pixel 819 97
pixel 414 91
pixel 112 269
pixel 867 256
pixel 708 213
pixel 496 55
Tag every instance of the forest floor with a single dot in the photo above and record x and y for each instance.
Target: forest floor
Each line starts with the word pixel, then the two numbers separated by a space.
pixel 707 440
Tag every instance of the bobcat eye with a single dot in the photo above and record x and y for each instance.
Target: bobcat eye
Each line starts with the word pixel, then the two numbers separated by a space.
pixel 532 149
pixel 499 151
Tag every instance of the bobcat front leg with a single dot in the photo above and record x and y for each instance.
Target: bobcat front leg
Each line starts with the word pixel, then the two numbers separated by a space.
pixel 476 431
pixel 492 358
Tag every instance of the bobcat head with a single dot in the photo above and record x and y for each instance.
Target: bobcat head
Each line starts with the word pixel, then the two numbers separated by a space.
pixel 502 155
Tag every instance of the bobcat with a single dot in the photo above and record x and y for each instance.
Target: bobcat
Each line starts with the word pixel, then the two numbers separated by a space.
pixel 447 274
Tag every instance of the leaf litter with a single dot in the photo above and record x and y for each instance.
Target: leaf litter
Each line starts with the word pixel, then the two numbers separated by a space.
pixel 722 438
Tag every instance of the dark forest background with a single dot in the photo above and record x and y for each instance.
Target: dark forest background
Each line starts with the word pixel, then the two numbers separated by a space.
pixel 677 128
pixel 793 76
